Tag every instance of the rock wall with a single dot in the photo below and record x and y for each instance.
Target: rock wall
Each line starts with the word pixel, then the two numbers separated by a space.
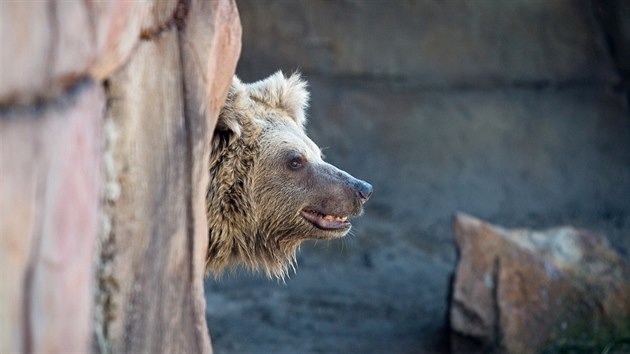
pixel 106 109
pixel 512 111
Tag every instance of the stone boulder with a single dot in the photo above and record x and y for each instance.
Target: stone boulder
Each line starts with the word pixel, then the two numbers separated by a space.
pixel 522 291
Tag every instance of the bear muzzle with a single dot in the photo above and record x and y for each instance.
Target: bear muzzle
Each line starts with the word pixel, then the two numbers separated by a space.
pixel 340 196
pixel 326 221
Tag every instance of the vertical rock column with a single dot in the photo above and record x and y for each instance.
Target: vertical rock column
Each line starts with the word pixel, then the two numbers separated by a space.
pixel 163 104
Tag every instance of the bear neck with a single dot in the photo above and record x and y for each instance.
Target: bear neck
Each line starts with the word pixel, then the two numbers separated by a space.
pixel 234 235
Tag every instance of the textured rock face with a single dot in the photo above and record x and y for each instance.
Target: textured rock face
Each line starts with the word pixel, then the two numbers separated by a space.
pixel 164 104
pixel 612 14
pixel 440 43
pixel 50 148
pixel 116 101
pixel 44 52
pixel 49 168
pixel 503 109
pixel 522 291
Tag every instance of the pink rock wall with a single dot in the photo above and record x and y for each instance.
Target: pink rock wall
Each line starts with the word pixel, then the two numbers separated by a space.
pixel 105 113
pixel 49 163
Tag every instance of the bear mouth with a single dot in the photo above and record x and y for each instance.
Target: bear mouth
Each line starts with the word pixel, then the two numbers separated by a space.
pixel 326 221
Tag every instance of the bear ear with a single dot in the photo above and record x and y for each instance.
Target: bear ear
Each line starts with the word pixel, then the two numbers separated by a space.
pixel 230 118
pixel 288 94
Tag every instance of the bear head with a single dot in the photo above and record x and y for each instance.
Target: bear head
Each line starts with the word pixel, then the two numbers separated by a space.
pixel 270 188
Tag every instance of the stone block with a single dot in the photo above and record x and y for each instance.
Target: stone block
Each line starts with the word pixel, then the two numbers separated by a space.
pixel 523 291
pixel 210 45
pixel 437 44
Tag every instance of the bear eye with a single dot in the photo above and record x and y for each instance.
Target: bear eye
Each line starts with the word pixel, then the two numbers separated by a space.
pixel 296 163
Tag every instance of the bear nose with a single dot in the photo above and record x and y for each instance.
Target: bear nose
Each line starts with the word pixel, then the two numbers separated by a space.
pixel 365 190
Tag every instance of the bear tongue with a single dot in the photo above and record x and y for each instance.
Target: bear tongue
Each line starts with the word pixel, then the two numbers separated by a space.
pixel 327 222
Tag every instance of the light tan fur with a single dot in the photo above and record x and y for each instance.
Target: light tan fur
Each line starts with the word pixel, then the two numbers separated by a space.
pixel 254 202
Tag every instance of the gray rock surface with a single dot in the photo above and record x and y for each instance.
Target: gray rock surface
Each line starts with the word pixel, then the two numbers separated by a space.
pixel 437 43
pixel 507 110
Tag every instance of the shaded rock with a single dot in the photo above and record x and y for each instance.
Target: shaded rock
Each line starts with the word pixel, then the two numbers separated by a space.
pixel 428 151
pixel 210 45
pixel 523 291
pixel 613 15
pixel 439 43
pixel 459 148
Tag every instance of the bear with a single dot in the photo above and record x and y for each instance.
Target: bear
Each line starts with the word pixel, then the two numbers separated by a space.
pixel 270 188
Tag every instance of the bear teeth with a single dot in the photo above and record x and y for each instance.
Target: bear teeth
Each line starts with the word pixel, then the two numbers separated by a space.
pixel 336 218
pixel 329 217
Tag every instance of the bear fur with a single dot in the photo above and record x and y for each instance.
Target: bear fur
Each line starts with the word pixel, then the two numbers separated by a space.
pixel 269 187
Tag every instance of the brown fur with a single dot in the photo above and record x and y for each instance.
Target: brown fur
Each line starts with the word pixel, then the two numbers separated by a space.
pixel 254 200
